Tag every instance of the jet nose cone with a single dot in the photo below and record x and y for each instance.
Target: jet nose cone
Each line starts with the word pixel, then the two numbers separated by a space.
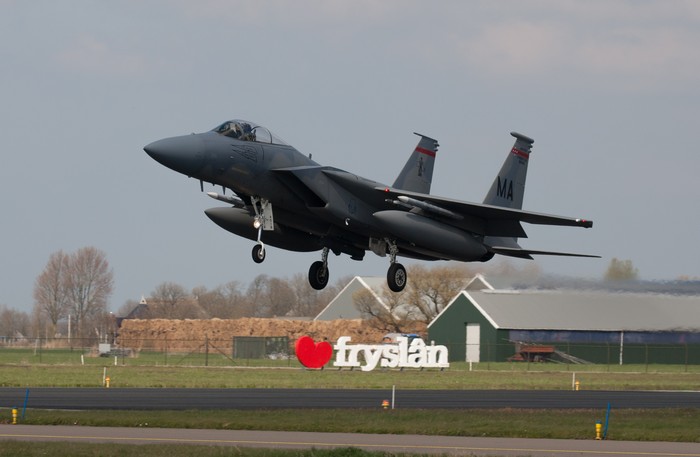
pixel 184 154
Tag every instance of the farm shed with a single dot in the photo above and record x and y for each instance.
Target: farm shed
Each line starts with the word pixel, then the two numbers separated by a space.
pixel 343 305
pixel 570 326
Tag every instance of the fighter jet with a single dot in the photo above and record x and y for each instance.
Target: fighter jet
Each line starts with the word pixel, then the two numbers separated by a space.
pixel 324 208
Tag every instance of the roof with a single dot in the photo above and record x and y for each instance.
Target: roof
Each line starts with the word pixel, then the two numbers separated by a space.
pixel 582 310
pixel 343 305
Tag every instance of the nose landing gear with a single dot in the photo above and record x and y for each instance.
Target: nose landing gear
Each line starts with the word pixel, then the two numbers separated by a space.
pixel 258 252
pixel 263 221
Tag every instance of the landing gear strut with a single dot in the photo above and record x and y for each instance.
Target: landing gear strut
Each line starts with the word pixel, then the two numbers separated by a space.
pixel 318 272
pixel 262 221
pixel 396 276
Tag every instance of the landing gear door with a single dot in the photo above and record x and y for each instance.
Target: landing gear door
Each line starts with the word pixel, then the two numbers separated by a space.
pixel 268 222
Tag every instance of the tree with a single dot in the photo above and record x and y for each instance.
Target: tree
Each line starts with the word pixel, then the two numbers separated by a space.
pixel 255 294
pixel 224 302
pixel 621 270
pixel 388 312
pixel 279 296
pixel 13 323
pixel 51 299
pixel 166 301
pixel 431 290
pixel 88 285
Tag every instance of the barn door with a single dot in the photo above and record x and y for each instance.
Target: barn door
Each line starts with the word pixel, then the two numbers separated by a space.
pixel 473 342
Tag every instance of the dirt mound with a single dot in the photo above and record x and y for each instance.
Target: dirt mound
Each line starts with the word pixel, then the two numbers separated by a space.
pixel 189 334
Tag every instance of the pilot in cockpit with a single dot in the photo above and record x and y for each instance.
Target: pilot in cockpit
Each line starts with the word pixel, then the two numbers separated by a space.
pixel 248 133
pixel 239 130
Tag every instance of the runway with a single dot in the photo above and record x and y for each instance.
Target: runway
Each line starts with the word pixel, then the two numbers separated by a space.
pixel 389 443
pixel 182 399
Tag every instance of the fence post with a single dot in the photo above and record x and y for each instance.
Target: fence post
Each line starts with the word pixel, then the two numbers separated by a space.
pixel 206 350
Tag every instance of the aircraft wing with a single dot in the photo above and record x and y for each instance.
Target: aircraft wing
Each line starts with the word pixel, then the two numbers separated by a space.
pixel 487 220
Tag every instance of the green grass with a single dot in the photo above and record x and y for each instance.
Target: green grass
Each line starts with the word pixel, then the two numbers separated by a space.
pixel 636 425
pixel 36 449
pixel 222 358
pixel 37 375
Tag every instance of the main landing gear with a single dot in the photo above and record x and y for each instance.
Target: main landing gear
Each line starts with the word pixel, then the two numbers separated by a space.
pixel 396 276
pixel 318 272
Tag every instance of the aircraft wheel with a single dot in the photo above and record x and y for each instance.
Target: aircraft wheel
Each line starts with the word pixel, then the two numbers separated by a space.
pixel 258 253
pixel 318 275
pixel 396 277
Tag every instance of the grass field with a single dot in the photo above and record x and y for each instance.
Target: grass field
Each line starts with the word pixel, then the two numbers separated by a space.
pixel 91 375
pixel 25 449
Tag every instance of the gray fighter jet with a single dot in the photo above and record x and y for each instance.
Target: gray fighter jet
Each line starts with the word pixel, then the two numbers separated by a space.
pixel 324 208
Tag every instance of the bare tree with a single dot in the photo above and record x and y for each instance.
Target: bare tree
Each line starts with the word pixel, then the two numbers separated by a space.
pixel 255 295
pixel 224 302
pixel 89 284
pixel 13 323
pixel 388 312
pixel 51 299
pixel 429 291
pixel 166 301
pixel 280 297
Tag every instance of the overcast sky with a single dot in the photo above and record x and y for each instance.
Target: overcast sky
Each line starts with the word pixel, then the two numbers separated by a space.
pixel 609 90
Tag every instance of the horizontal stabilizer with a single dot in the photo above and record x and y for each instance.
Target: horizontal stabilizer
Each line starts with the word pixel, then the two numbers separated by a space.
pixel 527 253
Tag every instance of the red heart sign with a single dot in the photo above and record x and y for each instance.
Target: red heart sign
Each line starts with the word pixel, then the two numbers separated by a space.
pixel 312 354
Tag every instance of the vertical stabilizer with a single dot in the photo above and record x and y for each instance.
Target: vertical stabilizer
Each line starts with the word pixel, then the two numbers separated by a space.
pixel 508 188
pixel 417 174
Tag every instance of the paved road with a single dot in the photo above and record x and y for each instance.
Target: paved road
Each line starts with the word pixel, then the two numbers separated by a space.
pixel 391 443
pixel 180 399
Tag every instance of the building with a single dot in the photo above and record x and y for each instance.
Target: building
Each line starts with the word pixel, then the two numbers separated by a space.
pixel 569 326
pixel 343 305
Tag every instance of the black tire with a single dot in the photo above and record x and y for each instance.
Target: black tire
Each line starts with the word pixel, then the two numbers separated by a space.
pixel 396 277
pixel 258 253
pixel 318 276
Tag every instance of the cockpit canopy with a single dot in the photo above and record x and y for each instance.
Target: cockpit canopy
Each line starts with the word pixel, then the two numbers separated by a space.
pixel 248 131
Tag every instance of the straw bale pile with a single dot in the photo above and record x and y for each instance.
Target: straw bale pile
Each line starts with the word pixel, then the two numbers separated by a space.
pixel 190 334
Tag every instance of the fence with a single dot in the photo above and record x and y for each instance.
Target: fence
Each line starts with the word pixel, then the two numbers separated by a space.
pixel 579 354
pixel 246 351
pixel 279 352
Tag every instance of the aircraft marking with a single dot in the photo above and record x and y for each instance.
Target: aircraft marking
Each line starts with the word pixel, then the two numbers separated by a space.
pixel 426 152
pixel 520 153
pixel 505 190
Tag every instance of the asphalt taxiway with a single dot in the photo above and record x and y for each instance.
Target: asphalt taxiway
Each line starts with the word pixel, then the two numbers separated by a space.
pixel 183 399
pixel 448 445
